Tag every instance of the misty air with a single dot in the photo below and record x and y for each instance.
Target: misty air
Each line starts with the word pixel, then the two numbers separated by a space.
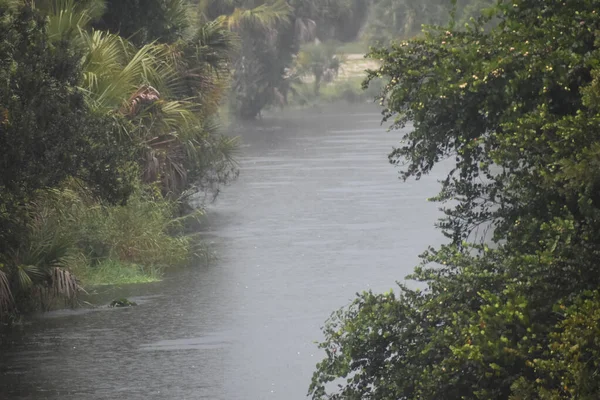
pixel 290 199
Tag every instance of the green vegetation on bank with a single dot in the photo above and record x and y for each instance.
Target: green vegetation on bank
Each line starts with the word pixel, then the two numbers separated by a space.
pixel 323 74
pixel 271 33
pixel 341 90
pixel 110 128
pixel 112 272
pixel 105 139
pixel 379 23
pixel 512 100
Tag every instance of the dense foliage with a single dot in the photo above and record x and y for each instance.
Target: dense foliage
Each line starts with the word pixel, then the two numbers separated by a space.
pixel 391 20
pixel 44 118
pixel 144 21
pixel 516 107
pixel 271 33
pixel 104 140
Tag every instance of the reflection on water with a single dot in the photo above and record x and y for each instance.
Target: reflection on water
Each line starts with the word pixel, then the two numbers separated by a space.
pixel 316 215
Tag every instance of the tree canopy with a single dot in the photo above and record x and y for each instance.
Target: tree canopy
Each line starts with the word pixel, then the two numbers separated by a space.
pixel 512 99
pixel 46 133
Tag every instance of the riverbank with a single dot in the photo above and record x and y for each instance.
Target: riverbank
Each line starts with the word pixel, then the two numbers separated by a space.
pixel 105 145
pixel 346 87
pixel 316 215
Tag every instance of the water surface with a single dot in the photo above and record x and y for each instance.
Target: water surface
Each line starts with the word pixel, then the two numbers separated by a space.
pixel 317 215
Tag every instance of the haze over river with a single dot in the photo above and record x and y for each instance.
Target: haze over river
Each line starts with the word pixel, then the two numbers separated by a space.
pixel 316 215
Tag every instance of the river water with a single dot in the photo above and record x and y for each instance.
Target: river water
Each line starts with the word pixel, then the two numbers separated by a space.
pixel 316 215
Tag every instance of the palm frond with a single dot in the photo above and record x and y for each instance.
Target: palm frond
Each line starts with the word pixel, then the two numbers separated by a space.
pixel 7 301
pixel 114 70
pixel 264 17
pixel 34 272
pixel 64 284
pixel 23 280
pixel 66 18
pixel 177 116
pixel 176 12
pixel 213 45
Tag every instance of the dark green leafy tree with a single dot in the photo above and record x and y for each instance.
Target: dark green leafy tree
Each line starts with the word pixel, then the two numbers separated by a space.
pixel 516 108
pixel 86 120
pixel 145 21
pixel 45 130
pixel 47 136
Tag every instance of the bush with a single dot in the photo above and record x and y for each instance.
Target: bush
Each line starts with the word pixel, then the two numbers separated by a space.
pixel 141 232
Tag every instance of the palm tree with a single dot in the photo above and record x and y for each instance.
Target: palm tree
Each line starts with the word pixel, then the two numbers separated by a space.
pixel 162 94
pixel 40 264
pixel 271 32
pixel 261 26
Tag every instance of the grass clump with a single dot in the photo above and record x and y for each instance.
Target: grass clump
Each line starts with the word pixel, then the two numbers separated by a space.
pixel 142 232
pixel 114 272
pixel 131 243
pixel 104 243
pixel 72 240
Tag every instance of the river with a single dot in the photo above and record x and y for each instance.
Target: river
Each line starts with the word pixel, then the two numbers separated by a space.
pixel 316 215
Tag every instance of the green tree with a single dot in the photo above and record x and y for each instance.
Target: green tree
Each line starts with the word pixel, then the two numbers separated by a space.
pixel 44 117
pixel 142 22
pixel 86 119
pixel 47 136
pixel 162 96
pixel 515 106
pixel 319 61
pixel 271 33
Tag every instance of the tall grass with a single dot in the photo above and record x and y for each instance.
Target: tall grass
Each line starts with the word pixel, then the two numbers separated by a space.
pixel 72 240
pixel 141 232
pixel 115 272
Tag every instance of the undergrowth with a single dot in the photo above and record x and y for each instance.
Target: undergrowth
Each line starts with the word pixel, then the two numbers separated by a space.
pixel 114 272
pixel 71 240
pixel 340 90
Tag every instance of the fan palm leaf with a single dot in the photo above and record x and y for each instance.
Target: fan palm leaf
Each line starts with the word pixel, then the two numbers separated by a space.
pixel 23 280
pixel 64 284
pixel 44 246
pixel 213 46
pixel 7 301
pixel 263 17
pixel 66 18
